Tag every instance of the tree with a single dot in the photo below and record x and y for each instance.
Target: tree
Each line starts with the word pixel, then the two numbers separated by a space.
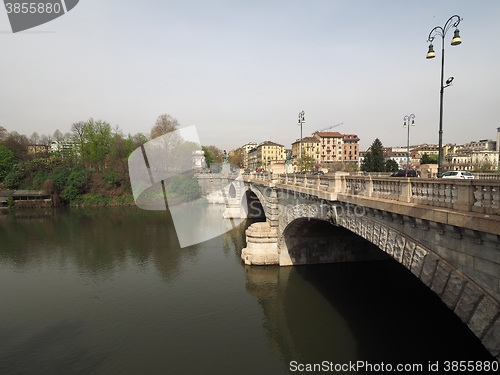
pixel 213 154
pixel 34 138
pixel 236 157
pixel 3 133
pixel 374 158
pixel 18 144
pixel 58 136
pixel 6 161
pixel 77 129
pixel 208 157
pixel 426 159
pixel 46 140
pixel 307 162
pixel 391 165
pixel 164 124
pixel 96 142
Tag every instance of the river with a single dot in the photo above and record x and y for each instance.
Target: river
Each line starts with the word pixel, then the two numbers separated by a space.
pixel 109 291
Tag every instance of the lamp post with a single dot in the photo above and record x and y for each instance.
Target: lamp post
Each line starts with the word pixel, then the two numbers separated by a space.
pixel 453 21
pixel 302 120
pixel 406 120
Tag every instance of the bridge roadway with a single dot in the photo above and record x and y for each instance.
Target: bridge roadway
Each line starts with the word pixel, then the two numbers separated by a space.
pixel 446 232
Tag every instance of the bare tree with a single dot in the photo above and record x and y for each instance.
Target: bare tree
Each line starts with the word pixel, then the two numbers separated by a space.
pixel 164 124
pixel 34 138
pixel 46 139
pixel 3 133
pixel 77 129
pixel 58 136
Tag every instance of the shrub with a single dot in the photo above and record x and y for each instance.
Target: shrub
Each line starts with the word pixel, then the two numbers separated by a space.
pixel 13 179
pixel 39 178
pixel 6 161
pixel 59 177
pixel 113 178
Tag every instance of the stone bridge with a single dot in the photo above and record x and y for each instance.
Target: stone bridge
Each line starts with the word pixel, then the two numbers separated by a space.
pixel 446 232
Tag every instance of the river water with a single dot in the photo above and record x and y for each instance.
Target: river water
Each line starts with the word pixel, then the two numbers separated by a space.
pixel 109 291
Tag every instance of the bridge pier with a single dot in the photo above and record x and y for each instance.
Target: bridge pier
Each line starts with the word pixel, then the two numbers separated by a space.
pixel 262 245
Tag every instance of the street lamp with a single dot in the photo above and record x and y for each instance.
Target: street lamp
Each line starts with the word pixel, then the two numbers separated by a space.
pixel 406 120
pixel 302 120
pixel 453 21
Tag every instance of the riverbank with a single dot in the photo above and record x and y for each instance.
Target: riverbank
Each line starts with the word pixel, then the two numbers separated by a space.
pixel 99 200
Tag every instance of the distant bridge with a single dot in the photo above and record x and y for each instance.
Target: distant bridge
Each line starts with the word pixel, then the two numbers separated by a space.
pixel 446 232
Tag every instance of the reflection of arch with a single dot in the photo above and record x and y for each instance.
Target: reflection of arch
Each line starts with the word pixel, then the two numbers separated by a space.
pixel 253 205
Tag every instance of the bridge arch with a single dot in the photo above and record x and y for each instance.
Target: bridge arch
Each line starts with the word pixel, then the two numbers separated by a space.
pixel 469 301
pixel 472 304
pixel 252 204
pixel 312 240
pixel 453 253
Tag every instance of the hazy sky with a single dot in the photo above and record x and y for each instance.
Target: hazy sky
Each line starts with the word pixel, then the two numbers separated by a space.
pixel 242 70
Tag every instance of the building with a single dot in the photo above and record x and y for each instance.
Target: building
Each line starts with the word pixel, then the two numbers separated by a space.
pixel 245 151
pixel 426 149
pixel 34 149
pixel 265 155
pixel 310 151
pixel 64 148
pixel 399 157
pixel 458 161
pixel 482 145
pixel 485 160
pixel 498 139
pixel 335 147
pixel 350 147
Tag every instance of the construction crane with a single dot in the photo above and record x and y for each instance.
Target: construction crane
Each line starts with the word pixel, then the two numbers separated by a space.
pixel 333 126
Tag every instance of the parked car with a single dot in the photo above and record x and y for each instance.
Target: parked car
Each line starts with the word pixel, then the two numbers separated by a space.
pixel 466 175
pixel 319 172
pixel 405 173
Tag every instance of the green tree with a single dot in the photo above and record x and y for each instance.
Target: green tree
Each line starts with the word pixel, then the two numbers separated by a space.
pixel 374 158
pixel 307 163
pixel 426 159
pixel 6 161
pixel 391 165
pixel 97 138
pixel 18 144
pixel 208 156
pixel 213 154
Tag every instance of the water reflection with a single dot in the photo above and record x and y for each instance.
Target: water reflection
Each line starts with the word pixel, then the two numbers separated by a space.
pixel 108 291
pixel 96 241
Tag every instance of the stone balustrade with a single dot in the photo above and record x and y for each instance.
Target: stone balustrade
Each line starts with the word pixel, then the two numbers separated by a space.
pixel 479 195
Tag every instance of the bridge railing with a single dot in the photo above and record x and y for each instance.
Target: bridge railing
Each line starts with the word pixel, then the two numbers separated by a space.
pixel 482 196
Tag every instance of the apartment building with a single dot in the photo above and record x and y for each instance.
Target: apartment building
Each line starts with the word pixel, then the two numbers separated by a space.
pixel 265 155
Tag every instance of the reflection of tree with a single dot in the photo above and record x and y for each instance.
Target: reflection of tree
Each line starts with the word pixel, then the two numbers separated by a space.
pixel 98 242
